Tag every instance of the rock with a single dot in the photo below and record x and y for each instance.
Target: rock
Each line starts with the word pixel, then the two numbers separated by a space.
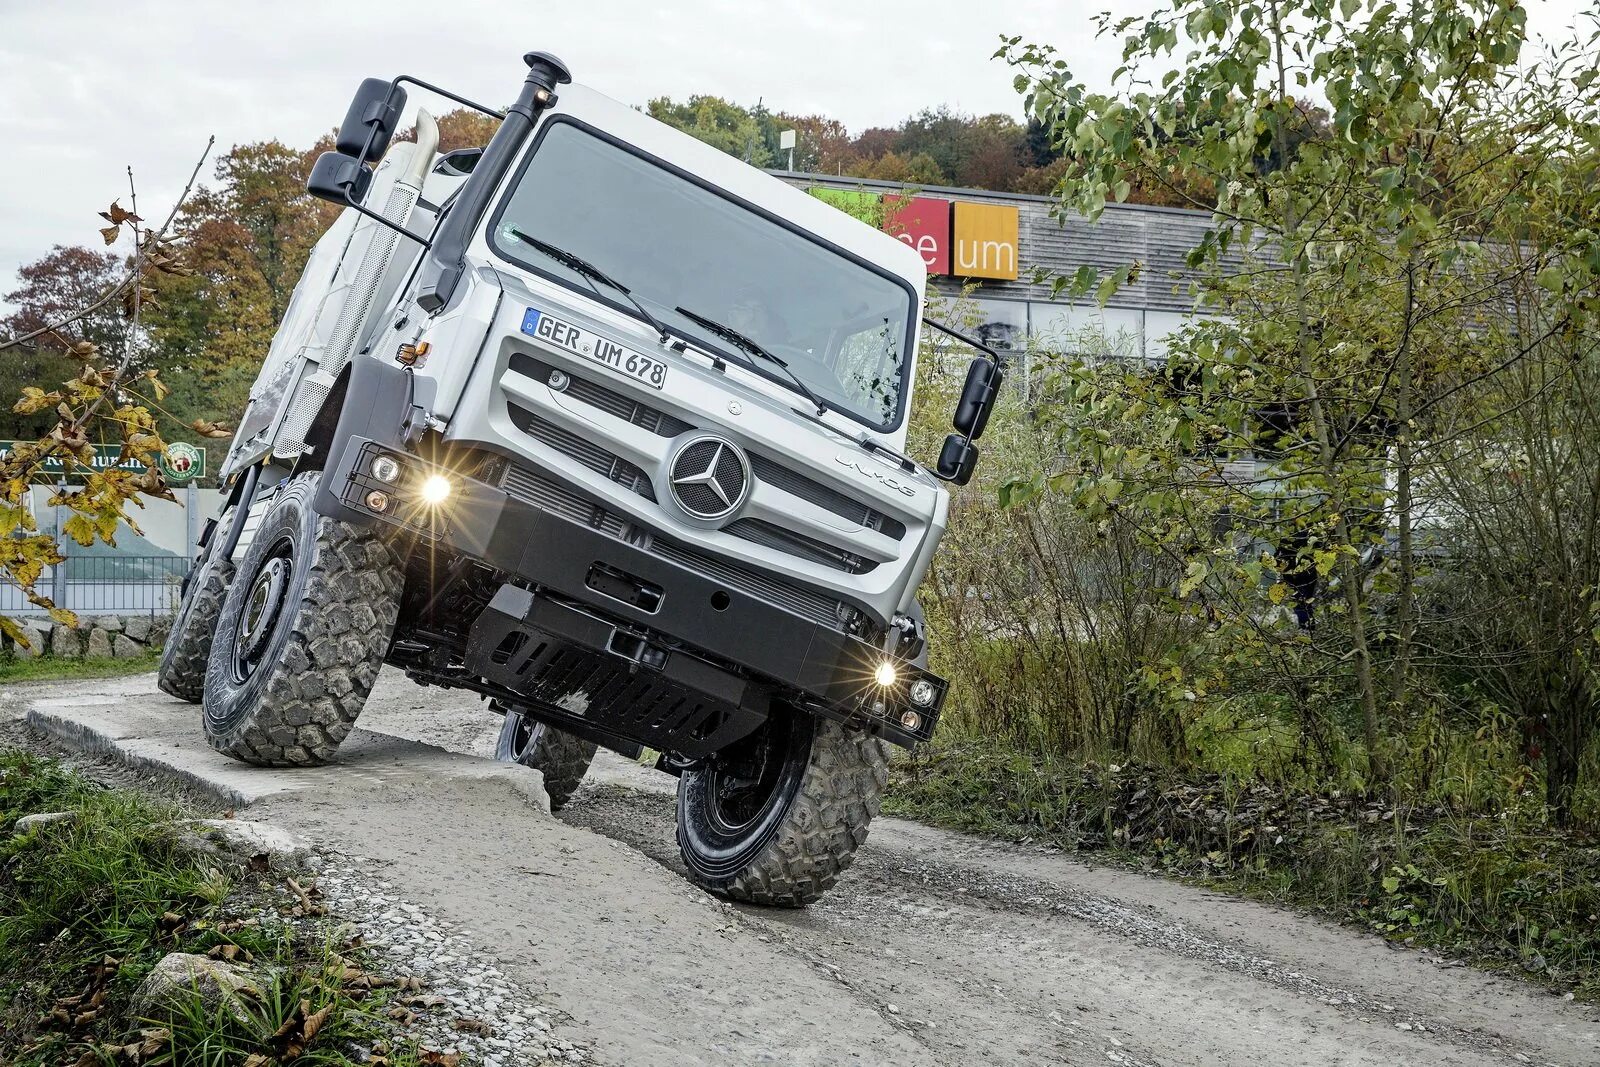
pixel 38 640
pixel 238 842
pixel 160 627
pixel 138 627
pixel 99 644
pixel 124 647
pixel 111 624
pixel 180 977
pixel 43 818
pixel 64 642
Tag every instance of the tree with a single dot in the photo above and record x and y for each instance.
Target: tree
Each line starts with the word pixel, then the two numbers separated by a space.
pixel 719 123
pixel 53 288
pixel 1343 271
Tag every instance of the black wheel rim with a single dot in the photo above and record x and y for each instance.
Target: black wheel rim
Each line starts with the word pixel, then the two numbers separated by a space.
pixel 525 736
pixel 737 800
pixel 263 609
pixel 729 809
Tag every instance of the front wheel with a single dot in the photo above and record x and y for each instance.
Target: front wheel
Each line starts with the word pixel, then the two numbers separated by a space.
pixel 777 820
pixel 301 635
pixel 561 757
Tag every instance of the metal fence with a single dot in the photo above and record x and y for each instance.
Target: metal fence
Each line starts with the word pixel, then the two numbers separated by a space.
pixel 109 584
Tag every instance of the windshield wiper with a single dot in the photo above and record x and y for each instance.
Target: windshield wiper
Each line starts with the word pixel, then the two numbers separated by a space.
pixel 592 272
pixel 728 333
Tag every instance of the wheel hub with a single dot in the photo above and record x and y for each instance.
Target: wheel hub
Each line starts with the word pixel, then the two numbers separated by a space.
pixel 262 609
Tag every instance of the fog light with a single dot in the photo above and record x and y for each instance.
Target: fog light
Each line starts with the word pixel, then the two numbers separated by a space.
pixel 377 501
pixel 910 719
pixel 923 693
pixel 885 674
pixel 386 469
pixel 435 488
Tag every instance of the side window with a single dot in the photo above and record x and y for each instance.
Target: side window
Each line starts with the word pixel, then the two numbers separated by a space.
pixel 867 365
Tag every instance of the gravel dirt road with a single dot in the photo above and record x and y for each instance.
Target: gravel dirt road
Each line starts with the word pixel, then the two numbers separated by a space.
pixel 937 948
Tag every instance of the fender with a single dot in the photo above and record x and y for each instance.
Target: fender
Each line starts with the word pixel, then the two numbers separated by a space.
pixel 382 402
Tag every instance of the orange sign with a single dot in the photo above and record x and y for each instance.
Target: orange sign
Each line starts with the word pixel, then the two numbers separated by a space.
pixel 985 243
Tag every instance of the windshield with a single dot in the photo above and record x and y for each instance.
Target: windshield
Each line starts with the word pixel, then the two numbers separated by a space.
pixel 839 325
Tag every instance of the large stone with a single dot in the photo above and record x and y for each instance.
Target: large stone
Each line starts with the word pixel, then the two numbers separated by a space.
pixel 42 818
pixel 111 624
pixel 242 843
pixel 138 627
pixel 124 647
pixel 175 983
pixel 99 644
pixel 160 627
pixel 65 642
pixel 38 639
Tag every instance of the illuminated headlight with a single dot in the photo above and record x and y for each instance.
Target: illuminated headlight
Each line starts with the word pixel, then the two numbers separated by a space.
pixel 435 488
pixel 923 693
pixel 386 469
pixel 885 674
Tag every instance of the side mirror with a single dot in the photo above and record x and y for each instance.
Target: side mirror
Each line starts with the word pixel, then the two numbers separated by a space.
pixel 957 459
pixel 978 397
pixel 369 125
pixel 338 178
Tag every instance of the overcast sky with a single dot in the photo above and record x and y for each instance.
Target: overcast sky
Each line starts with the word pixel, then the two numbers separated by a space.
pixel 88 87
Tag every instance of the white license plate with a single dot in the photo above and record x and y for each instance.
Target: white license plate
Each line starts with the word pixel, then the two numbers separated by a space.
pixel 581 342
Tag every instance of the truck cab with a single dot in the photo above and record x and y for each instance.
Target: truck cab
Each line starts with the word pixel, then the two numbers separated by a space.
pixel 608 427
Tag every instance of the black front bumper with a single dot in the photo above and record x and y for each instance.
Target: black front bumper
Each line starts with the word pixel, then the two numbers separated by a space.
pixel 643 600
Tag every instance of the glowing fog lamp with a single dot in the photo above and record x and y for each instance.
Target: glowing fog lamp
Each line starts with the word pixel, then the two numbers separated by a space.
pixel 435 489
pixel 885 674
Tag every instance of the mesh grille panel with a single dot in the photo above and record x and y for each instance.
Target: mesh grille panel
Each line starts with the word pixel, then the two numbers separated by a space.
pixel 586 452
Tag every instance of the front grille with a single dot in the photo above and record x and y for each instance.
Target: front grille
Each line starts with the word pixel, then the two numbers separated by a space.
pixel 584 451
pixel 608 400
pixel 823 497
pixel 796 544
pixel 556 497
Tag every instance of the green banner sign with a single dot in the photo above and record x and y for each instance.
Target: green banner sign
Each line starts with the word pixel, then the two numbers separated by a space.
pixel 182 463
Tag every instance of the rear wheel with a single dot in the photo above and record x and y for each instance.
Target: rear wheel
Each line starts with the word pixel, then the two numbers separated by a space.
pixel 561 757
pixel 777 820
pixel 183 659
pixel 301 636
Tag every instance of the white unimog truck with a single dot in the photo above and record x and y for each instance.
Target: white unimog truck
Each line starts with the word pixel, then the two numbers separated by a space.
pixel 606 426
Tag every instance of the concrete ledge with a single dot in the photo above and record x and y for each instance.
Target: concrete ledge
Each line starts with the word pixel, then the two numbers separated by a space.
pixel 129 720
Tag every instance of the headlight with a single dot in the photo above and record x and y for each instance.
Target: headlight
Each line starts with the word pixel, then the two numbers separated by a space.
pixel 923 693
pixel 435 488
pixel 886 674
pixel 386 469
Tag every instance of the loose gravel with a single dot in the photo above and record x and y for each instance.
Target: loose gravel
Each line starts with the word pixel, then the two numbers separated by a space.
pixel 488 1017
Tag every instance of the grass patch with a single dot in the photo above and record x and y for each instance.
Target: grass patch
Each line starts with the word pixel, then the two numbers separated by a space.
pixel 89 906
pixel 48 668
pixel 1508 890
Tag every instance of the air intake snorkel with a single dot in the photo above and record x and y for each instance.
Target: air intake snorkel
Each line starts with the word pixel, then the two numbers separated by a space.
pixel 446 259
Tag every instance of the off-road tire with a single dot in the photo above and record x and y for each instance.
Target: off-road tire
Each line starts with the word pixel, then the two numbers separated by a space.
pixel 814 838
pixel 339 595
pixel 561 757
pixel 183 658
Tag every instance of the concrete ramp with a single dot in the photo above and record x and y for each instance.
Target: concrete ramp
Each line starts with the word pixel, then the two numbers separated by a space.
pixel 131 721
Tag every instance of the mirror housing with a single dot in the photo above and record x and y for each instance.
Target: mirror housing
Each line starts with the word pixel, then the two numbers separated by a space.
pixel 957 459
pixel 376 107
pixel 978 397
pixel 338 178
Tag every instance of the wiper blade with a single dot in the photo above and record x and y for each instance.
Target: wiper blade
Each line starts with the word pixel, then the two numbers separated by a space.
pixel 589 270
pixel 728 333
